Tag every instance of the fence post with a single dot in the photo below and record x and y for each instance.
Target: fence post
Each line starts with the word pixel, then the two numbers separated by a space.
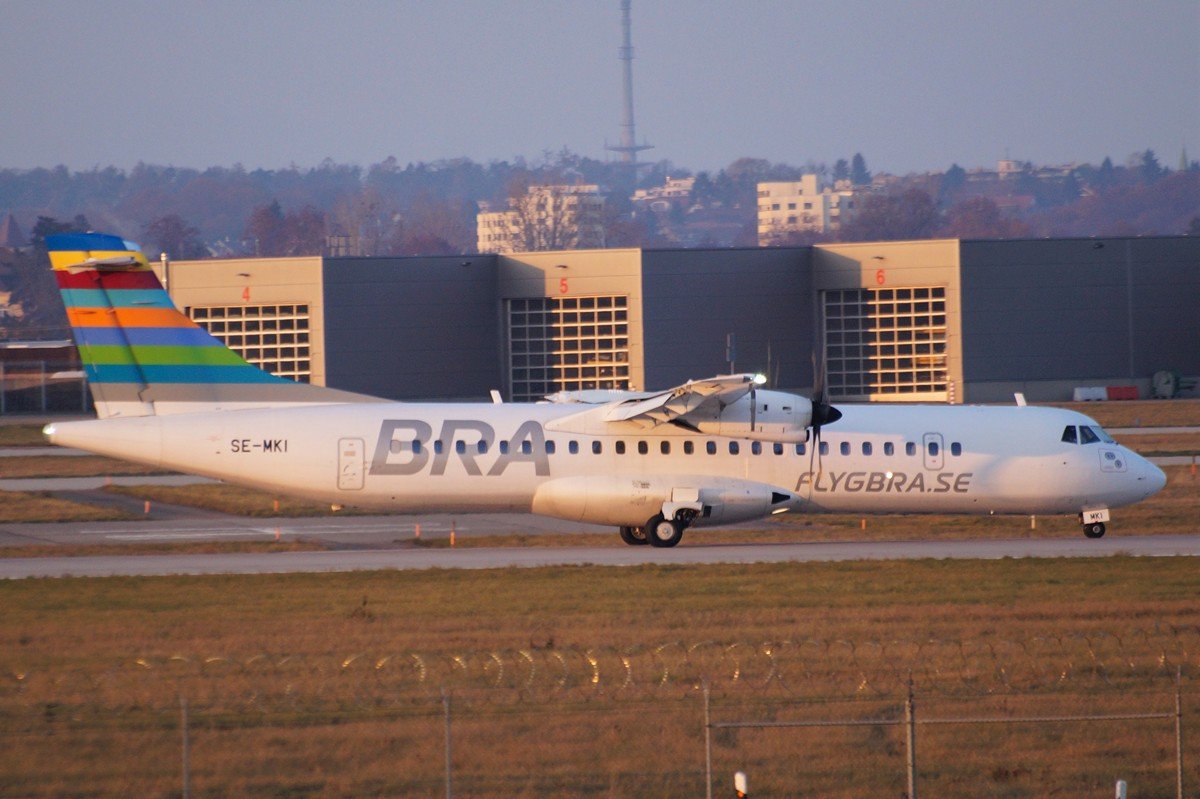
pixel 42 365
pixel 910 727
pixel 1178 732
pixel 183 723
pixel 707 746
pixel 446 714
pixel 4 397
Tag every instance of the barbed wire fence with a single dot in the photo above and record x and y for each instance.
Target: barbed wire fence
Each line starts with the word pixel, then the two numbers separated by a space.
pixel 809 667
pixel 756 683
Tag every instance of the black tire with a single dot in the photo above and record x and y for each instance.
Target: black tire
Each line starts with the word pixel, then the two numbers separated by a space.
pixel 664 532
pixel 1094 530
pixel 634 536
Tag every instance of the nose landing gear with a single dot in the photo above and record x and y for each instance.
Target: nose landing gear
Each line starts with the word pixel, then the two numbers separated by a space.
pixel 1093 522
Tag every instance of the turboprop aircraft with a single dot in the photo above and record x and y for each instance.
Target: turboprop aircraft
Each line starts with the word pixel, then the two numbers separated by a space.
pixel 707 452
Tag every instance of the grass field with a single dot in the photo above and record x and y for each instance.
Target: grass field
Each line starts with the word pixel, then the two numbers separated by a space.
pixel 74 466
pixel 236 500
pixel 583 681
pixel 1139 413
pixel 33 506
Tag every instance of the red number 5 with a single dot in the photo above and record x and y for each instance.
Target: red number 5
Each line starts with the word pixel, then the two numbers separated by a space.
pixel 562 285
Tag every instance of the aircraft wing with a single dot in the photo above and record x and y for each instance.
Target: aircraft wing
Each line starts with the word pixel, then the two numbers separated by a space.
pixel 699 400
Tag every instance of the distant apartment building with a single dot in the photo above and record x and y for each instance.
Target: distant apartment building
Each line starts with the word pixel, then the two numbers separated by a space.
pixel 660 198
pixel 802 205
pixel 544 218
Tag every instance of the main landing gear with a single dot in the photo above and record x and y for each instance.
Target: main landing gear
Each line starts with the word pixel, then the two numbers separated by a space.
pixel 1094 530
pixel 659 531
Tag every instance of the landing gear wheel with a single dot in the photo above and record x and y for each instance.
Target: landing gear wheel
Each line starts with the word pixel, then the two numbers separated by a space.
pixel 634 536
pixel 664 532
pixel 1094 530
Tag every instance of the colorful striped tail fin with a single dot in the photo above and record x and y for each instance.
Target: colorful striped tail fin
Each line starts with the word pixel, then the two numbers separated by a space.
pixel 142 356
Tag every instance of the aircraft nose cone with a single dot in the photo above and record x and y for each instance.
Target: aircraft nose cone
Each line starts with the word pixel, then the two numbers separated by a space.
pixel 1155 478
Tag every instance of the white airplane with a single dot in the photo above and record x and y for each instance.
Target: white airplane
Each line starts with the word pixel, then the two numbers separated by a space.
pixel 652 464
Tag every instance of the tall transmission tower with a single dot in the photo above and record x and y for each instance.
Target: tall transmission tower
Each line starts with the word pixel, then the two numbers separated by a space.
pixel 628 148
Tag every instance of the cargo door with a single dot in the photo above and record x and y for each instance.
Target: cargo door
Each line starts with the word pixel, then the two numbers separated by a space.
pixel 350 464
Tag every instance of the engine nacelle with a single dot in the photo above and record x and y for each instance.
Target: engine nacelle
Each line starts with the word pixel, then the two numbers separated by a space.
pixel 631 501
pixel 762 416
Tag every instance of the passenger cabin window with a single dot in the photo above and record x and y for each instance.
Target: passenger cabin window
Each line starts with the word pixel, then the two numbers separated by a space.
pixel 824 447
pixel 597 448
pixel 550 447
pixel 526 447
pixel 910 448
pixel 437 447
pixel 844 448
pixel 620 447
pixel 482 447
pixel 889 448
pixel 756 447
pixel 801 449
pixel 866 448
pixel 1069 435
pixel 933 449
pixel 955 449
pixel 688 448
pixel 503 447
pixel 573 447
pixel 460 447
pixel 733 448
pixel 777 448
pixel 416 446
pixel 711 448
pixel 665 447
pixel 643 447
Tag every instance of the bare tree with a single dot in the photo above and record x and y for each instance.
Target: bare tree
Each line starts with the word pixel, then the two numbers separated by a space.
pixel 556 218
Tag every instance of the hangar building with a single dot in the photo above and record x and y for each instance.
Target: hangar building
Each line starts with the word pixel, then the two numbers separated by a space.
pixel 943 320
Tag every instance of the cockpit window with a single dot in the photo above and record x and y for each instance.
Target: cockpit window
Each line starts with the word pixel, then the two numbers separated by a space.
pixel 1090 434
pixel 1086 434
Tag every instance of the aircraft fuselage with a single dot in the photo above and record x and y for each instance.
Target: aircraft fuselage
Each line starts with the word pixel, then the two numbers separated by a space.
pixel 421 458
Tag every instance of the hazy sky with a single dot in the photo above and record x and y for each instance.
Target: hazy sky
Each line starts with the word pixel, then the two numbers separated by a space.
pixel 912 84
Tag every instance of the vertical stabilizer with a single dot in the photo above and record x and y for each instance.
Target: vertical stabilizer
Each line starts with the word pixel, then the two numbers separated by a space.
pixel 142 356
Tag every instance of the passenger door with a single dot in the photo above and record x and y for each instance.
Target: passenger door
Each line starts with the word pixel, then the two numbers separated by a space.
pixel 935 457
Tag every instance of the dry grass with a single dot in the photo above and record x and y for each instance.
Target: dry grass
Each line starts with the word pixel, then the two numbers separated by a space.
pixel 1139 413
pixel 308 685
pixel 22 435
pixel 34 506
pixel 1162 444
pixel 189 548
pixel 236 500
pixel 70 466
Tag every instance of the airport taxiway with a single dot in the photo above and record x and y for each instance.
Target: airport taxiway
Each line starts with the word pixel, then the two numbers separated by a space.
pixel 532 557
